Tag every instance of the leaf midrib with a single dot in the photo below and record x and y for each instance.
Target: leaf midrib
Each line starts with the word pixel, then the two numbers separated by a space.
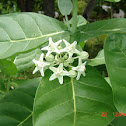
pixel 73 90
pixel 39 37
pixel 25 120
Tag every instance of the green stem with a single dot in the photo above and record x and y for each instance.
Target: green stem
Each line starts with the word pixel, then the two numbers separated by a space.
pixel 74 21
pixel 8 85
pixel 67 21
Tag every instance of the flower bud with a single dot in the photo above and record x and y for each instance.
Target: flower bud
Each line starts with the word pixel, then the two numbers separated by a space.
pixel 65 56
pixel 59 47
pixel 83 55
pixel 50 58
pixel 70 60
pixel 72 73
pixel 66 64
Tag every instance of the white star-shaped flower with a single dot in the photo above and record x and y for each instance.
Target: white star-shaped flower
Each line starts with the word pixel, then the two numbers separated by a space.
pixel 58 73
pixel 52 47
pixel 80 69
pixel 70 48
pixel 40 65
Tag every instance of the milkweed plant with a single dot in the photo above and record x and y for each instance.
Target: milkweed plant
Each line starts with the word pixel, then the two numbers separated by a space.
pixel 64 86
pixel 59 59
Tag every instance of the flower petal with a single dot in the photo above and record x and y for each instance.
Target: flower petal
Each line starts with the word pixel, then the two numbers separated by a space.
pixel 45 48
pixel 42 72
pixel 66 43
pixel 60 78
pixel 78 76
pixel 53 76
pixel 58 42
pixel 48 53
pixel 41 57
pixel 50 40
pixel 35 70
pixel 53 69
pixel 65 73
pixel 60 67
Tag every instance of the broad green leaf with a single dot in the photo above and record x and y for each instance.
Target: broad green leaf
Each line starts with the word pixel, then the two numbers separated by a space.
pixel 8 67
pixel 100 28
pixel 65 6
pixel 115 58
pixel 16 107
pixel 24 61
pixel 20 32
pixel 80 21
pixel 118 121
pixel 75 103
pixel 113 0
pixel 98 60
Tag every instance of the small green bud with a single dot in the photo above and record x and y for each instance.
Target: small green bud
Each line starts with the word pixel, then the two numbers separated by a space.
pixel 66 64
pixel 83 55
pixel 65 56
pixel 70 60
pixel 59 47
pixel 72 73
pixel 50 58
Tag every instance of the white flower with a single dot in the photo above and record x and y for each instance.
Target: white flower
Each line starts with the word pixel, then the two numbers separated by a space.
pixel 80 69
pixel 40 65
pixel 52 47
pixel 58 73
pixel 70 48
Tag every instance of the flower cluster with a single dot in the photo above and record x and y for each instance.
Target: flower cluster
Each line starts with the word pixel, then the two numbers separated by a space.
pixel 60 60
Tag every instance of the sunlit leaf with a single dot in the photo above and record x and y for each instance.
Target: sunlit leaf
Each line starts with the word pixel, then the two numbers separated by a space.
pixel 100 28
pixel 65 6
pixel 98 60
pixel 20 32
pixel 75 103
pixel 115 58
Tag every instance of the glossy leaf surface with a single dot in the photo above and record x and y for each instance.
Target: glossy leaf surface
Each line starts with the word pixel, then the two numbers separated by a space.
pixel 100 28
pixel 75 103
pixel 20 32
pixel 115 58
pixel 98 60
pixel 65 6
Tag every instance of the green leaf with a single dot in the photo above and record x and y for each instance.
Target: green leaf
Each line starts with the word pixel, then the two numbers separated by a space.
pixel 108 80
pixel 24 61
pixel 118 121
pixel 20 32
pixel 75 103
pixel 113 0
pixel 8 67
pixel 100 28
pixel 80 20
pixel 16 107
pixel 98 60
pixel 65 6
pixel 115 58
